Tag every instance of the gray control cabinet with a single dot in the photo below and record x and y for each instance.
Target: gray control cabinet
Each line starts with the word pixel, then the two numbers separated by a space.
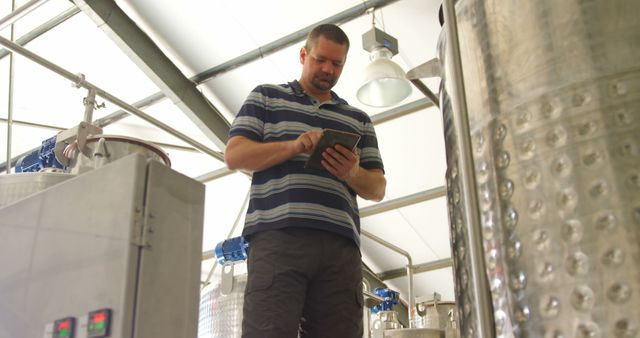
pixel 126 237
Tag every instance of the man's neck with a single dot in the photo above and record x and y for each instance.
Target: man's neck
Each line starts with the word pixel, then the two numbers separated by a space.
pixel 321 96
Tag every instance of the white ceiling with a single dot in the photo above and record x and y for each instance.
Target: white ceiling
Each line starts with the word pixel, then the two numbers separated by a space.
pixel 200 34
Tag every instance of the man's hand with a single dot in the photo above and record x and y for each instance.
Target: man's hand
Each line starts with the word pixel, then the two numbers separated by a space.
pixel 306 142
pixel 341 162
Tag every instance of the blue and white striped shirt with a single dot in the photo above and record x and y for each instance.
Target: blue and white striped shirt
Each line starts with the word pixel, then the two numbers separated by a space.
pixel 287 194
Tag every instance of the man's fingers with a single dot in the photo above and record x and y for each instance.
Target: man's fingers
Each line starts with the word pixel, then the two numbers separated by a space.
pixel 342 153
pixel 347 153
pixel 308 143
pixel 311 139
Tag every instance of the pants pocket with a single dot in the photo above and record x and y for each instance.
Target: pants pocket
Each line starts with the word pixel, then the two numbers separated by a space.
pixel 359 296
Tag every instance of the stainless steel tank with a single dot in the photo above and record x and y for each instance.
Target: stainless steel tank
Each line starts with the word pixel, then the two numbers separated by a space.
pixel 17 186
pixel 220 312
pixel 553 97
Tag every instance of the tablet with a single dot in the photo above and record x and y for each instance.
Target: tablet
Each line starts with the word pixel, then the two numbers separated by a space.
pixel 330 138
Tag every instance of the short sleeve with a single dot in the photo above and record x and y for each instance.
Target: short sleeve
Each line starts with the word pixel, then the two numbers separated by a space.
pixel 370 157
pixel 251 118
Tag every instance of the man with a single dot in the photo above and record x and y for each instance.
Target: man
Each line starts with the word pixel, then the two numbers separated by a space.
pixel 304 266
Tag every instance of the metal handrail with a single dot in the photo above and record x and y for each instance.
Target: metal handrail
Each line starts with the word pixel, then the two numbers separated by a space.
pixel 80 81
pixel 412 301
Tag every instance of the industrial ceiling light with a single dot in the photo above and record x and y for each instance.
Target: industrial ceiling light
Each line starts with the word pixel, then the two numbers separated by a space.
pixel 384 82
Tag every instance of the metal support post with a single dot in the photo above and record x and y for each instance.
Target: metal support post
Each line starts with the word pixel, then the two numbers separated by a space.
pixel 480 285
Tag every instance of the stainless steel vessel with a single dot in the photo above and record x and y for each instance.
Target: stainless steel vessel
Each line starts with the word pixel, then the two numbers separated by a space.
pixel 18 186
pixel 124 240
pixel 553 97
pixel 220 311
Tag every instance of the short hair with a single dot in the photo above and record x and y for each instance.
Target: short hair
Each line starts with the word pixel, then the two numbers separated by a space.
pixel 330 32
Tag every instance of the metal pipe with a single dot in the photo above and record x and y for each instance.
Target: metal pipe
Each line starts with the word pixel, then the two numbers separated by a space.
pixel 480 285
pixel 10 96
pixel 175 146
pixel 400 111
pixel 418 268
pixel 80 82
pixel 45 27
pixel 213 175
pixel 366 317
pixel 32 124
pixel 412 301
pixel 135 111
pixel 426 91
pixel 76 79
pixel 18 13
pixel 270 48
pixel 412 297
pixel 403 201
pixel 56 128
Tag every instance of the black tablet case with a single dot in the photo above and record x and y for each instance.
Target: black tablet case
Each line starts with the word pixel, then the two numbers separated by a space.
pixel 331 137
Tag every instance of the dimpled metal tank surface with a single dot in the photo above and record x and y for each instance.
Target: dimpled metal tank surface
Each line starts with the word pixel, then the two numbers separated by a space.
pixel 553 97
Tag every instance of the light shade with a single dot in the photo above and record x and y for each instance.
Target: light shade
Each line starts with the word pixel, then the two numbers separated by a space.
pixel 384 82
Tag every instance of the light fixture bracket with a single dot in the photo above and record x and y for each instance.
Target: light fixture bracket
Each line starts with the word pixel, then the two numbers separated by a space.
pixel 375 38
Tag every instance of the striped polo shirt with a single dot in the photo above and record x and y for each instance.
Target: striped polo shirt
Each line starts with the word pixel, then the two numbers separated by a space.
pixel 287 194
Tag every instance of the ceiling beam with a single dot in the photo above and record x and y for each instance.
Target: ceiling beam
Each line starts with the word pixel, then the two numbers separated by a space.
pixel 288 40
pixel 158 67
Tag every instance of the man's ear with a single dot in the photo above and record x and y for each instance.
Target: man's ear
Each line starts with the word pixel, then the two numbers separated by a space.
pixel 303 55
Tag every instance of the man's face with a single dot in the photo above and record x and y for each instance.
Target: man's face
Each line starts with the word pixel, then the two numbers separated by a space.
pixel 322 65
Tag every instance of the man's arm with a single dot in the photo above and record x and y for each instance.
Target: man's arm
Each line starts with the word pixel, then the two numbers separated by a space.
pixel 370 184
pixel 245 154
pixel 343 163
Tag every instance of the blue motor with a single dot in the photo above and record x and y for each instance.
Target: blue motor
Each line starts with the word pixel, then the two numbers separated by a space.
pixel 232 250
pixel 390 297
pixel 40 159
